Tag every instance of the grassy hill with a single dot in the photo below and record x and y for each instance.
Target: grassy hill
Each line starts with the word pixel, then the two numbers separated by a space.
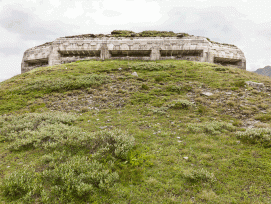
pixel 94 132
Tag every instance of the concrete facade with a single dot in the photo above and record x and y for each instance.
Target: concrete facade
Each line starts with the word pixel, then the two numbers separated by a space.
pixel 192 48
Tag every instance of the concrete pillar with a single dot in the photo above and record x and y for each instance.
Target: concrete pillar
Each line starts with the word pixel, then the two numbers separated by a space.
pixel 23 67
pixel 54 56
pixel 104 52
pixel 204 57
pixel 155 53
pixel 242 64
pixel 211 57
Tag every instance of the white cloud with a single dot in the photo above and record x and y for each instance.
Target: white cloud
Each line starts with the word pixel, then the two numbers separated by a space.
pixel 76 10
pixel 26 24
pixel 7 66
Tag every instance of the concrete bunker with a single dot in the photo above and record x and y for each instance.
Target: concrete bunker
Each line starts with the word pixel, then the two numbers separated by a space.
pixel 227 61
pixel 132 46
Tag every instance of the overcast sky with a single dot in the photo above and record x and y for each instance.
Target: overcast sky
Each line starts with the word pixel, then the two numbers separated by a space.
pixel 25 24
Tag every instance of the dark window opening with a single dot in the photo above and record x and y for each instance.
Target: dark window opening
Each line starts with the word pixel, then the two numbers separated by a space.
pixel 80 53
pixel 37 63
pixel 181 53
pixel 130 53
pixel 227 61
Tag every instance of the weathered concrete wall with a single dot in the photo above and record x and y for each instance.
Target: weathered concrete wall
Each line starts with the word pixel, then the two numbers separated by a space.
pixel 194 48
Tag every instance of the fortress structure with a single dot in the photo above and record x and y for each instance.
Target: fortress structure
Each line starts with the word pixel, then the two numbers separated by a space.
pixel 147 45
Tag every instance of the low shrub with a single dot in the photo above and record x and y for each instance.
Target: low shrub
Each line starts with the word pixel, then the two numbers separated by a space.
pixel 263 117
pixel 176 89
pixel 181 104
pixel 114 143
pixel 150 66
pixel 220 69
pixel 199 175
pixel 202 109
pixel 241 83
pixel 141 98
pixel 19 184
pixel 54 130
pixel 64 84
pixel 160 111
pixel 154 33
pixel 211 128
pixel 145 87
pixel 256 136
pixel 158 78
pixel 78 178
pixel 63 177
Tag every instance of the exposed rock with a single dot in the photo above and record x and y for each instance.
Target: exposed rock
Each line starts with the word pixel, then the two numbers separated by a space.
pixel 186 158
pixel 255 84
pixel 206 93
pixel 135 74
pixel 264 71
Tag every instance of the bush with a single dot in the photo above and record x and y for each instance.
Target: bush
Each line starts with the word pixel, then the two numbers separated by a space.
pixel 154 33
pixel 241 83
pixel 114 143
pixel 53 131
pixel 158 79
pixel 199 175
pixel 173 88
pixel 76 178
pixel 64 84
pixel 181 104
pixel 202 109
pixel 263 117
pixel 160 111
pixel 178 89
pixel 145 87
pixel 18 184
pixel 256 136
pixel 150 66
pixel 123 33
pixel 63 177
pixel 147 33
pixel 37 130
pixel 211 128
pixel 221 69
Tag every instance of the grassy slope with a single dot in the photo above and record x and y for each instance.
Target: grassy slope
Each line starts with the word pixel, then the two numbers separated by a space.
pixel 144 106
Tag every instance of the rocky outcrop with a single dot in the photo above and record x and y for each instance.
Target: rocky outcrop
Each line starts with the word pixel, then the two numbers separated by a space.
pixel 264 71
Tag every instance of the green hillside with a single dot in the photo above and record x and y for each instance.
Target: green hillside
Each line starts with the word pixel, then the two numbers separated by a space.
pixel 173 132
